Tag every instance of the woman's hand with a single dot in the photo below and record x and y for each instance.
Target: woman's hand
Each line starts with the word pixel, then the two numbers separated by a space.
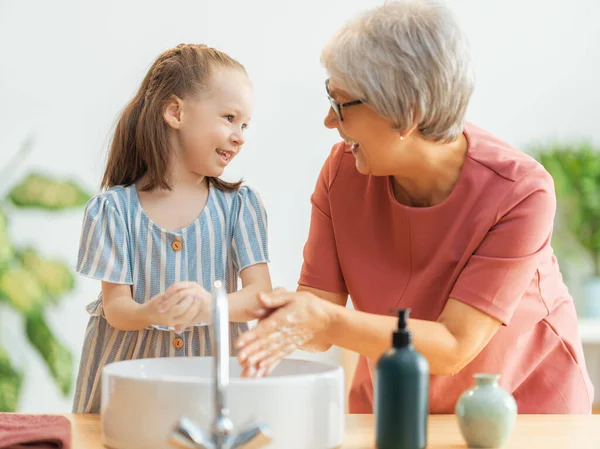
pixel 295 318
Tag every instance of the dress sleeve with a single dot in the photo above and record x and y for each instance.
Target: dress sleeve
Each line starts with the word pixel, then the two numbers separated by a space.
pixel 250 232
pixel 103 245
pixel 321 267
pixel 503 266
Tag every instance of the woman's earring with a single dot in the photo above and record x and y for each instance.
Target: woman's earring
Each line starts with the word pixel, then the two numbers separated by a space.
pixel 401 137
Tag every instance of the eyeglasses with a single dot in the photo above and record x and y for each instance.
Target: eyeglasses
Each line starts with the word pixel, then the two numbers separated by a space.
pixel 336 105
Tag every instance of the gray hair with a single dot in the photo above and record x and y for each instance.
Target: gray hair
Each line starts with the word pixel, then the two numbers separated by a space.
pixel 407 60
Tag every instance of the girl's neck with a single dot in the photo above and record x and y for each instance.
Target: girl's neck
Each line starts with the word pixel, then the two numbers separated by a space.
pixel 181 180
pixel 177 208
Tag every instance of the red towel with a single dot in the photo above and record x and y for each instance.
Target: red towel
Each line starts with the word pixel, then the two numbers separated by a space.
pixel 19 431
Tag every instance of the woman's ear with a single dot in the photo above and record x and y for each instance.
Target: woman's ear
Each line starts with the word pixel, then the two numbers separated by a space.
pixel 412 128
pixel 173 112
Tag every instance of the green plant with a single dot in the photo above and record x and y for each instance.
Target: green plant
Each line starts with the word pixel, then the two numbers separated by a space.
pixel 30 283
pixel 576 173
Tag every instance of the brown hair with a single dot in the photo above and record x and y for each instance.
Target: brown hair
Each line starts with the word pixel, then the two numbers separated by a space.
pixel 140 145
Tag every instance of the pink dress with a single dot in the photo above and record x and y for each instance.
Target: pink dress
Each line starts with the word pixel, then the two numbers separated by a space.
pixel 487 245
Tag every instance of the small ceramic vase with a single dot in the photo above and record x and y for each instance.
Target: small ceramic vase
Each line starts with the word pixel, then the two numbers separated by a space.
pixel 486 413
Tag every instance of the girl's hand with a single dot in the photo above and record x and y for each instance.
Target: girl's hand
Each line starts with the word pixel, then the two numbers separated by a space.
pixel 182 305
pixel 298 318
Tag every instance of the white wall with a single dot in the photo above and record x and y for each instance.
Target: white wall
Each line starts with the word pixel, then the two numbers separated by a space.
pixel 67 67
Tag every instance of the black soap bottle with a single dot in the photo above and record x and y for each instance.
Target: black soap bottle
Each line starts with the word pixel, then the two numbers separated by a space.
pixel 401 401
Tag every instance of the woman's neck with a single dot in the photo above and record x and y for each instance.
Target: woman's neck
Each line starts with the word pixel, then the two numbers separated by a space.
pixel 430 175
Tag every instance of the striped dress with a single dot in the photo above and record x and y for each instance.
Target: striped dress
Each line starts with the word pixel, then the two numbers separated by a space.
pixel 120 244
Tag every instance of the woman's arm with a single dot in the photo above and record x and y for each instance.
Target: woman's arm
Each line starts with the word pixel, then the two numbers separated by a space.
pixel 321 342
pixel 448 344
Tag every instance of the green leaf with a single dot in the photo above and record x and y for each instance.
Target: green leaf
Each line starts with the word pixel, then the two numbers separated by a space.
pixel 6 248
pixel 11 381
pixel 54 276
pixel 22 289
pixel 43 192
pixel 576 172
pixel 57 357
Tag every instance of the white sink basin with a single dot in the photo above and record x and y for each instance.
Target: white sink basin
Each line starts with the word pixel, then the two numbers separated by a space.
pixel 302 402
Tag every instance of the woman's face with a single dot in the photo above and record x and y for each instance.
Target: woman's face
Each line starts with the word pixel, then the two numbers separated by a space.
pixel 373 139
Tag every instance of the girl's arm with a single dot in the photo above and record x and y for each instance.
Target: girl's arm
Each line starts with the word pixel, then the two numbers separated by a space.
pixel 243 304
pixel 120 310
pixel 165 309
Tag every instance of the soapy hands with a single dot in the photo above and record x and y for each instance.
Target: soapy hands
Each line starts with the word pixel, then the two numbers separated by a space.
pixel 182 305
pixel 294 319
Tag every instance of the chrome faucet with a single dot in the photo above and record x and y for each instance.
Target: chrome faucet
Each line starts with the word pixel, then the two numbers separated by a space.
pixel 186 435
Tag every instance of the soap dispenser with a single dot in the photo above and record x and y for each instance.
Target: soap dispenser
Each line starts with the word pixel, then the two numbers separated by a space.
pixel 401 393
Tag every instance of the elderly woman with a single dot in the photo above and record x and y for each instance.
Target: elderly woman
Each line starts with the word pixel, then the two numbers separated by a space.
pixel 416 209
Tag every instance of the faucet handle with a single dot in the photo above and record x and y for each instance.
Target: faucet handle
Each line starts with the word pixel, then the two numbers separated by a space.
pixel 222 429
pixel 252 435
pixel 186 435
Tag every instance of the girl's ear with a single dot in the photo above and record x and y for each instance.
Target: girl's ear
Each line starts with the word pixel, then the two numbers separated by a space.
pixel 173 112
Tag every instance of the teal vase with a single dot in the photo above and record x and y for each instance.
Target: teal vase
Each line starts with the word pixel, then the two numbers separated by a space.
pixel 486 413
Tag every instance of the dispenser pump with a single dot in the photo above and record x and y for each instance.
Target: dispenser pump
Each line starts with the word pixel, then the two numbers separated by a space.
pixel 402 336
pixel 401 393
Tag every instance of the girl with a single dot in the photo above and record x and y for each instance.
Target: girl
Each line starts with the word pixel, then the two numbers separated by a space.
pixel 166 227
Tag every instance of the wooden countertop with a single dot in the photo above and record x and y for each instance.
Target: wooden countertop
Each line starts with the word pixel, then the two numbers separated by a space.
pixel 531 432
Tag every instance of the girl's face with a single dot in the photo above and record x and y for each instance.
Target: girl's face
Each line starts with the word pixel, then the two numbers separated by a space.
pixel 211 125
